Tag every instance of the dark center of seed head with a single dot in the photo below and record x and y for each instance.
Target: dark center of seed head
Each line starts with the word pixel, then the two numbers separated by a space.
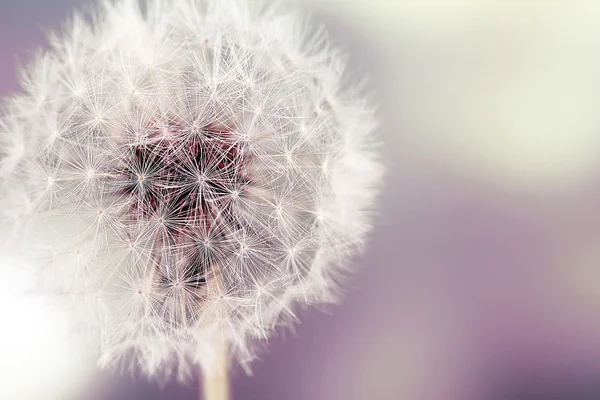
pixel 187 178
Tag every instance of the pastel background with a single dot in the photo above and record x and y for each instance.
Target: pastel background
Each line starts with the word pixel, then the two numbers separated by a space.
pixel 482 278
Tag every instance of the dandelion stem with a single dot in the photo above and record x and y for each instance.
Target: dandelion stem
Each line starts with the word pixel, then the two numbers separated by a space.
pixel 216 374
pixel 216 381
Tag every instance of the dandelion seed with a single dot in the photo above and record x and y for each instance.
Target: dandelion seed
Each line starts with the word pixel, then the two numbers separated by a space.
pixel 209 162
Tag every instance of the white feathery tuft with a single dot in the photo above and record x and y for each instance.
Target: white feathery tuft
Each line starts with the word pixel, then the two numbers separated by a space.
pixel 186 172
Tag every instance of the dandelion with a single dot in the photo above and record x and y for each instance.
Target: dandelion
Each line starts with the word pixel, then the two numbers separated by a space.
pixel 181 174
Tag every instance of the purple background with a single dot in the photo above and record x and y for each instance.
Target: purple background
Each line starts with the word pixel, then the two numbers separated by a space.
pixel 464 292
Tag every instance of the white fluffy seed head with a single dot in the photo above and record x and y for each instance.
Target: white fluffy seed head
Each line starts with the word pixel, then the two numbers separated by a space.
pixel 183 173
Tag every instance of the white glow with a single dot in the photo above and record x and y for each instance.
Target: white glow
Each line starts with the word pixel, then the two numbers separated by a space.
pixel 35 360
pixel 506 90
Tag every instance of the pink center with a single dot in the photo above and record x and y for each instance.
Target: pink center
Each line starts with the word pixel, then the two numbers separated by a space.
pixel 184 180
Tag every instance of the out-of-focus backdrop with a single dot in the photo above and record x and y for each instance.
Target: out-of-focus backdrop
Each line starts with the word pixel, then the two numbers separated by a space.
pixel 482 278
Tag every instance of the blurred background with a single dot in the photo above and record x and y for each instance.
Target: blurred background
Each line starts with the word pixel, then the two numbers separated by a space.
pixel 482 277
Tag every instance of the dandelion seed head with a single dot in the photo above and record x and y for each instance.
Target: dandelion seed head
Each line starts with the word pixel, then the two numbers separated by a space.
pixel 185 172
